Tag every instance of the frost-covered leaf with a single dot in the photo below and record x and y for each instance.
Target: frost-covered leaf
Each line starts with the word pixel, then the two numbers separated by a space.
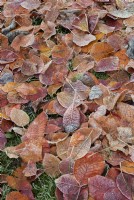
pixel 71 119
pixel 82 39
pixel 16 195
pixel 88 166
pixel 19 117
pixel 107 64
pixel 80 143
pixel 99 185
pixel 51 165
pixel 68 184
pixel 95 92
pixel 125 183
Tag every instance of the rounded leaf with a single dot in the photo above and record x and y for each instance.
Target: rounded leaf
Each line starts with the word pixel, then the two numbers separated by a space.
pixel 19 117
pixel 51 165
pixel 90 165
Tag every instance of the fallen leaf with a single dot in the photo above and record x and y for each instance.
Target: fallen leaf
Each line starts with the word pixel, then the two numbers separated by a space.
pixel 114 194
pixel 30 169
pixel 5 78
pixel 125 183
pixel 107 64
pixel 127 167
pixel 22 41
pixel 101 50
pixel 68 184
pixel 62 148
pixel 121 13
pixel 30 4
pixel 82 39
pixel 16 196
pixel 37 128
pixel 19 117
pixel 71 119
pixel 95 92
pixel 90 165
pixel 51 165
pixel 7 56
pixel 80 143
pixel 130 49
pixel 99 186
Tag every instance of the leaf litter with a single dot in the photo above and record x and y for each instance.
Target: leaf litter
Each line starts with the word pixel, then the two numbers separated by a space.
pixel 66 89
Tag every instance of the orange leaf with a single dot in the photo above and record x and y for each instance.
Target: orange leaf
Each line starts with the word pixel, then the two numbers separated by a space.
pixel 101 50
pixel 16 196
pixel 88 166
pixel 51 165
pixel 123 58
pixel 127 167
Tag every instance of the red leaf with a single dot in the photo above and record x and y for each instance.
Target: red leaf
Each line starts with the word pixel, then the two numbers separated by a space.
pixel 125 183
pixel 37 128
pixel 107 64
pixel 99 185
pixel 114 194
pixel 68 184
pixel 88 166
pixel 7 56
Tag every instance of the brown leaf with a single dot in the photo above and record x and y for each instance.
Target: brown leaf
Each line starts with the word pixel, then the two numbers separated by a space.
pixel 51 165
pixel 37 128
pixel 30 169
pixel 7 56
pixel 16 196
pixel 19 117
pixel 61 53
pixel 80 143
pixel 30 4
pixel 22 41
pixel 88 166
pixel 82 39
pixel 62 148
pixel 101 50
pixel 127 167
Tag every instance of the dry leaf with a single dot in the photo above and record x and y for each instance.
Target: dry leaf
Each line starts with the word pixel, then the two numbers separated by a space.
pixel 51 165
pixel 19 117
pixel 101 50
pixel 88 166
pixel 71 119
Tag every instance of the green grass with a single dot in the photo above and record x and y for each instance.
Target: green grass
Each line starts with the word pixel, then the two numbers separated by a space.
pixel 61 29
pixel 101 75
pixel 36 21
pixel 5 190
pixel 44 187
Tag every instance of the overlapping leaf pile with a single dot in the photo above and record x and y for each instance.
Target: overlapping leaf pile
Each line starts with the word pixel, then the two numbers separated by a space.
pixel 73 63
